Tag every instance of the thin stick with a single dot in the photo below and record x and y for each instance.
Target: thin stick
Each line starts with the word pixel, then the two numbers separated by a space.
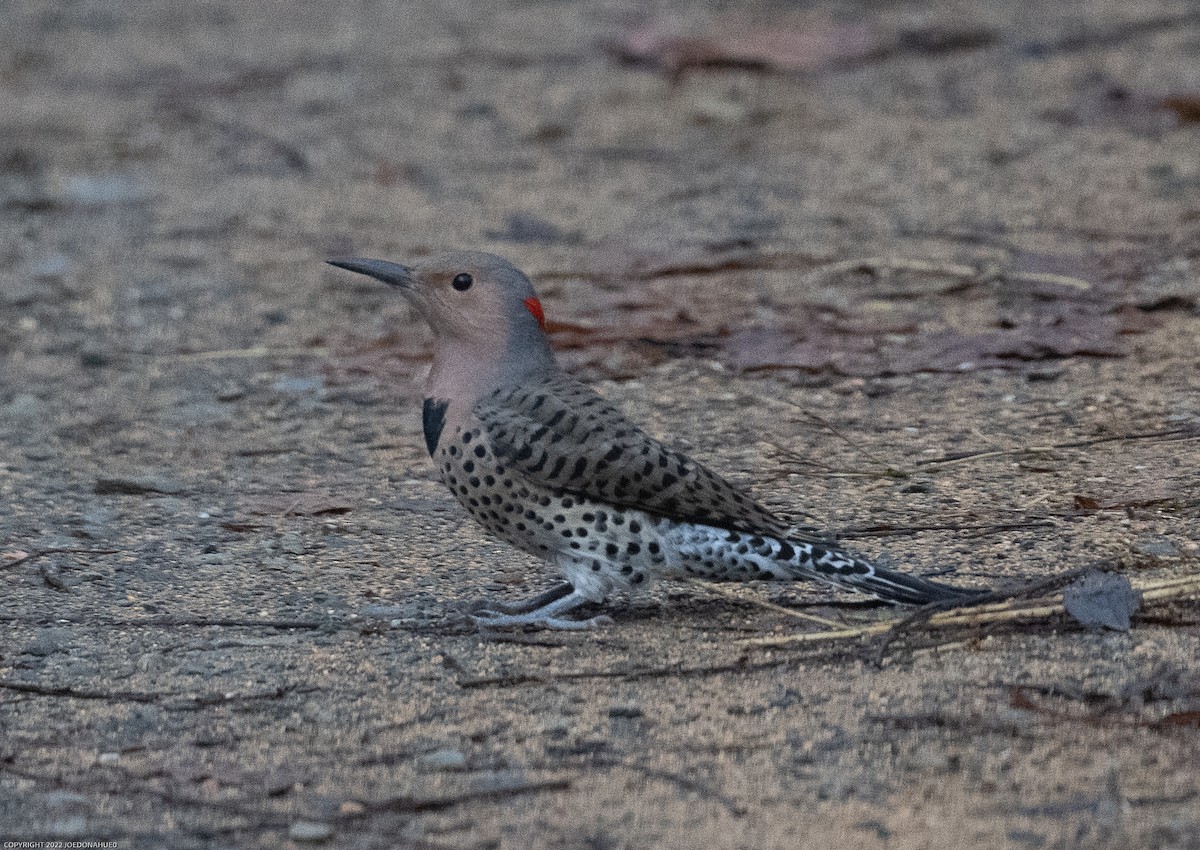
pixel 762 603
pixel 984 614
pixel 257 351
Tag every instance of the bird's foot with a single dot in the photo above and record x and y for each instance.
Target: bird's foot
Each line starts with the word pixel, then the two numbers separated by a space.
pixel 554 594
pixel 542 611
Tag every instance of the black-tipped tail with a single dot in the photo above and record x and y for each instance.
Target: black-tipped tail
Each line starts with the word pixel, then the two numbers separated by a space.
pixel 852 572
pixel 903 589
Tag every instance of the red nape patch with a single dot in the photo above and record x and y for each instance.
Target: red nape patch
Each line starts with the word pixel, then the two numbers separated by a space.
pixel 535 307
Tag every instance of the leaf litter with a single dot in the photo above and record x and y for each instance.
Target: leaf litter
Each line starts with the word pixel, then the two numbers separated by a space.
pixel 678 303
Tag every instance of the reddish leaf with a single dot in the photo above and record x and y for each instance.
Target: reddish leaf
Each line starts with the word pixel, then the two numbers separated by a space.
pixel 817 349
pixel 1180 718
pixel 777 48
pixel 297 504
pixel 1185 106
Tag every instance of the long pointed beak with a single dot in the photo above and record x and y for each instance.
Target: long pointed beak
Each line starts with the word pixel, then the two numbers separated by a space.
pixel 391 273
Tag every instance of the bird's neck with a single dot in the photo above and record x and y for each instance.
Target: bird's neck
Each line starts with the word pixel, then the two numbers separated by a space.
pixel 465 371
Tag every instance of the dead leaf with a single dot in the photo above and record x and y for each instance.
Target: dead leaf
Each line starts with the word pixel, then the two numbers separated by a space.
pixel 1185 106
pixel 1087 503
pixel 816 349
pixel 952 351
pixel 297 504
pixel 783 48
pixel 1180 718
pixel 1102 601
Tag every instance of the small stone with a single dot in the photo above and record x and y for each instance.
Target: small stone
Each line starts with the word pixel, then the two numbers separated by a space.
pixel 50 267
pixel 351 808
pixel 103 190
pixel 108 758
pixel 929 760
pixel 24 406
pixel 627 710
pixel 527 227
pixel 49 642
pixel 297 386
pixel 1102 600
pixel 310 830
pixel 72 826
pixel 230 392
pixel 91 358
pixel 718 110
pixel 291 543
pixel 1157 549
pixel 68 800
pixel 446 758
pixel 137 485
pixel 97 514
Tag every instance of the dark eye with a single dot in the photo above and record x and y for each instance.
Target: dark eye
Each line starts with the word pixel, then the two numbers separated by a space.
pixel 462 281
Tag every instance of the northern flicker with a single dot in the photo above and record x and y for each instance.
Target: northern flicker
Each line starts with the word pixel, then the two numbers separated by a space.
pixel 551 467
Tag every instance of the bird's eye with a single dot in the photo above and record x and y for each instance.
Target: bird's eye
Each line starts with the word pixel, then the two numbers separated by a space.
pixel 462 281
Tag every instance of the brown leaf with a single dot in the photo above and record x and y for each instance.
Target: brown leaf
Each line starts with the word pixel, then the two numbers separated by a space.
pixel 817 349
pixel 952 351
pixel 1180 718
pixel 1087 503
pixel 1185 106
pixel 777 48
pixel 297 504
pixel 1131 320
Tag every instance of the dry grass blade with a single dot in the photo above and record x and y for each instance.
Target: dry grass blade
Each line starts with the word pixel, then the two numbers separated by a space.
pixel 761 603
pixel 248 353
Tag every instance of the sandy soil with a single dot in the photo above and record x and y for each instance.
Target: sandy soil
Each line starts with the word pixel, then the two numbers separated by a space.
pixel 233 586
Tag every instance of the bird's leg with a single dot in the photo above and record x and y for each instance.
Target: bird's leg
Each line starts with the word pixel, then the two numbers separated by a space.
pixel 545 615
pixel 525 605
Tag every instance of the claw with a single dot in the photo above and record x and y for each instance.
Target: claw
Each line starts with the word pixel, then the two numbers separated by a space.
pixel 544 615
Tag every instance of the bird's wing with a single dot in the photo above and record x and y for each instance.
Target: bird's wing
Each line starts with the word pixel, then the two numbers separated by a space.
pixel 564 437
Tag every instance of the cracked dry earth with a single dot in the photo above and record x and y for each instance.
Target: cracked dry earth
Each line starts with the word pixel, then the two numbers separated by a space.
pixel 924 274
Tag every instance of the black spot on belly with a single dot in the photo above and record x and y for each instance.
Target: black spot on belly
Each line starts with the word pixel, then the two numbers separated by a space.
pixel 433 419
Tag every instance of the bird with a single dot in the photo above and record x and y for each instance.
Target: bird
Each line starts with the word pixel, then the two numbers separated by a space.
pixel 548 465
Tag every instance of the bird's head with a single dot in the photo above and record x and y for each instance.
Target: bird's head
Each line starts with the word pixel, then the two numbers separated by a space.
pixel 475 302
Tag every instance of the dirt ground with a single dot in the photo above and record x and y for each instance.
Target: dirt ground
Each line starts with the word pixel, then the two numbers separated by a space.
pixel 926 274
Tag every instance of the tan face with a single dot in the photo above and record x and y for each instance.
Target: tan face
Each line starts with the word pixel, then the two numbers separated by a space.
pixel 464 298
pixel 467 296
pixel 487 319
pixel 458 300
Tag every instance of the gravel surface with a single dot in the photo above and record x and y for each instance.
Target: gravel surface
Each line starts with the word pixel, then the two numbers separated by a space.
pixel 926 275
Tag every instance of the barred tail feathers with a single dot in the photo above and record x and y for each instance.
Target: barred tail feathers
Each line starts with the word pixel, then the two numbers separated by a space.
pixel 724 555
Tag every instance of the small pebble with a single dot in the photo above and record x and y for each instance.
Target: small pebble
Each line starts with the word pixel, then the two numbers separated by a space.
pixel 309 830
pixel 291 543
pixel 72 826
pixel 103 190
pixel 929 760
pixel 137 485
pixel 297 386
pixel 24 406
pixel 447 758
pixel 1157 549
